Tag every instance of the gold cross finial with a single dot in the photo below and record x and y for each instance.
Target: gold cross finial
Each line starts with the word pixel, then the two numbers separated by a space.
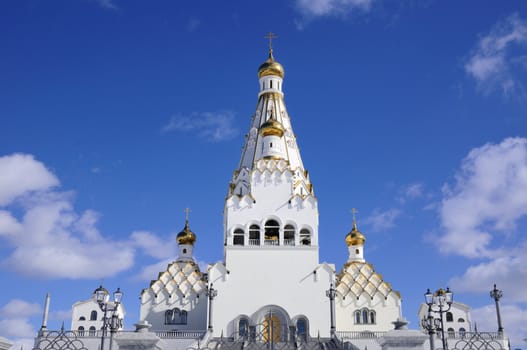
pixel 187 210
pixel 271 36
pixel 353 212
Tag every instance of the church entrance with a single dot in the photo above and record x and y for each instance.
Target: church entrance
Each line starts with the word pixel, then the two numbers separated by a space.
pixel 271 329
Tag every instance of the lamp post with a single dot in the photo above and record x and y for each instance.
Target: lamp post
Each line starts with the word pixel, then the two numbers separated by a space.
pixel 102 297
pixel 211 293
pixel 331 293
pixel 431 324
pixel 496 294
pixel 438 302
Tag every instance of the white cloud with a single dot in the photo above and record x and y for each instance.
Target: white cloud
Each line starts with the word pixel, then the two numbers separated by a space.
pixel 213 126
pixel 19 308
pixel 488 198
pixel 48 237
pixel 382 220
pixel 153 245
pixel 22 174
pixel 318 8
pixel 15 318
pixel 493 64
pixel 513 317
pixel 150 272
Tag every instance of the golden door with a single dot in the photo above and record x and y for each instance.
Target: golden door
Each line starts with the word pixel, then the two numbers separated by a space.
pixel 271 327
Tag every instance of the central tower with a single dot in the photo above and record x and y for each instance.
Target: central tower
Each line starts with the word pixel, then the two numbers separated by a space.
pixel 271 272
pixel 270 201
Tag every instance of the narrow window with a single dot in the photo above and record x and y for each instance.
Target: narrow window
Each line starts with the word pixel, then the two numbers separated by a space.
pixel 238 237
pixel 301 329
pixel 289 235
pixel 270 145
pixel 270 84
pixel 372 317
pixel 462 332
pixel 305 237
pixel 357 251
pixel 451 333
pixel 243 328
pixel 449 317
pixel 254 235
pixel 80 331
pixel 92 330
pixel 357 317
pixel 272 230
pixel 93 316
pixel 365 316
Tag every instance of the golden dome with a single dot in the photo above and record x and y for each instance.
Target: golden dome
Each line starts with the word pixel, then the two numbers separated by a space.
pixel 186 236
pixel 272 127
pixel 355 237
pixel 271 67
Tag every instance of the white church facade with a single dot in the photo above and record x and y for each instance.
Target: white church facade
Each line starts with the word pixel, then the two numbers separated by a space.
pixel 271 245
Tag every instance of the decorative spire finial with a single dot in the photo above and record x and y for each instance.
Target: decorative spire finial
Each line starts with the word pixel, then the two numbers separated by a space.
pixel 187 210
pixel 271 36
pixel 354 219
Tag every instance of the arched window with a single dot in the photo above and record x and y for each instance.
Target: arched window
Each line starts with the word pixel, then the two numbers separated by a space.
pixel 254 235
pixel 462 332
pixel 93 315
pixel 449 317
pixel 92 330
pixel 289 235
pixel 239 238
pixel 365 316
pixel 451 333
pixel 80 331
pixel 372 317
pixel 305 237
pixel 82 318
pixel 357 317
pixel 175 316
pixel 301 329
pixel 243 328
pixel 272 231
pixel 461 320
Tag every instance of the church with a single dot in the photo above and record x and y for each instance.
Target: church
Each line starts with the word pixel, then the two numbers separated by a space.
pixel 271 245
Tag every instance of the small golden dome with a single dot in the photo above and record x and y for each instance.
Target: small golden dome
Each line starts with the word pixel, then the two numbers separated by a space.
pixel 271 67
pixel 355 237
pixel 186 236
pixel 272 127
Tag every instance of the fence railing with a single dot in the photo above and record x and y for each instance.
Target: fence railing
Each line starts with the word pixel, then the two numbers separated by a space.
pixel 343 335
pixel 190 334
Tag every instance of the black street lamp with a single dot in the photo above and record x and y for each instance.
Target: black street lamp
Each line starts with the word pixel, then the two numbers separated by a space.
pixel 438 302
pixel 496 294
pixel 211 293
pixel 331 293
pixel 102 297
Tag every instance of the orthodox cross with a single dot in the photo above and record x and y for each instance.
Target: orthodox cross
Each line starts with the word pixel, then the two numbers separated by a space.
pixel 353 212
pixel 187 210
pixel 271 36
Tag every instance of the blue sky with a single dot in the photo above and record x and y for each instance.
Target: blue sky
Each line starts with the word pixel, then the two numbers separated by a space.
pixel 117 115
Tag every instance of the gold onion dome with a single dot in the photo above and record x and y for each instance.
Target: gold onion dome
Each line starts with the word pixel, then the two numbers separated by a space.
pixel 186 236
pixel 272 127
pixel 271 67
pixel 355 237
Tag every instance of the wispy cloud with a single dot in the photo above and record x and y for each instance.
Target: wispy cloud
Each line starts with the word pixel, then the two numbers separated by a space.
pixel 493 63
pixel 108 4
pixel 193 24
pixel 15 318
pixel 312 9
pixel 382 220
pixel 211 126
pixel 319 8
pixel 514 320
